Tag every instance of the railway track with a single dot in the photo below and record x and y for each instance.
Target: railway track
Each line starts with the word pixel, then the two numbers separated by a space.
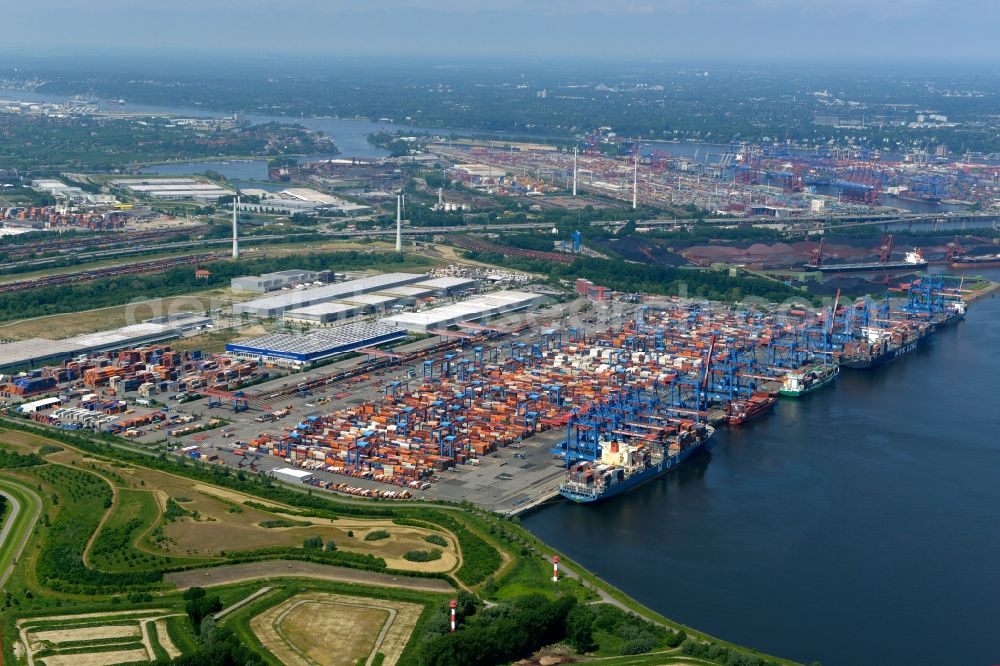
pixel 470 243
pixel 107 241
pixel 110 271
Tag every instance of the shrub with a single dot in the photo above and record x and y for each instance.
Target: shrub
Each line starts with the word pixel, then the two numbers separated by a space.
pixel 422 555
pixel 437 540
pixel 283 522
pixel 376 535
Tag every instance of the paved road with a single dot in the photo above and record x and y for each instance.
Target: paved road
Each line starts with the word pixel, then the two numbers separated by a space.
pixel 12 522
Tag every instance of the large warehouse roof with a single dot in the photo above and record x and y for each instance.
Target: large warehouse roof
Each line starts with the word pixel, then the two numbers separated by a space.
pixel 322 311
pixel 448 284
pixel 316 345
pixel 471 309
pixel 37 351
pixel 273 306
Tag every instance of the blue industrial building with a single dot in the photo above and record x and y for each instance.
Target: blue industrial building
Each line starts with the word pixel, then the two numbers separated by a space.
pixel 299 350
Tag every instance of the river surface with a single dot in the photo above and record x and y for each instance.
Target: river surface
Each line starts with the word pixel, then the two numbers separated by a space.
pixel 348 134
pixel 855 526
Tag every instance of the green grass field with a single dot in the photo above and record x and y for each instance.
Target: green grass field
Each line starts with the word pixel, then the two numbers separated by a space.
pixel 85 480
pixel 30 506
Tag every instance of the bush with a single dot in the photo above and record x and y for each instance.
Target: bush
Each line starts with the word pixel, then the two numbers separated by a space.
pixel 330 547
pixel 422 555
pixel 313 543
pixel 175 511
pixel 437 540
pixel 501 634
pixel 580 629
pixel 283 522
pixel 201 607
pixel 13 460
pixel 639 645
pixel 376 535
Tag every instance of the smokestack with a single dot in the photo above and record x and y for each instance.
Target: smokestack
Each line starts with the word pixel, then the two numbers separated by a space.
pixel 635 183
pixel 555 569
pixel 399 223
pixel 453 605
pixel 575 149
pixel 236 233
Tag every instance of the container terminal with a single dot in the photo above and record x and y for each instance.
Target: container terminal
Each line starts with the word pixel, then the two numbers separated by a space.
pixel 508 412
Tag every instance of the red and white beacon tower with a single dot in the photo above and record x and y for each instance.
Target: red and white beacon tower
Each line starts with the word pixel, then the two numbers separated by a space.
pixel 453 604
pixel 555 569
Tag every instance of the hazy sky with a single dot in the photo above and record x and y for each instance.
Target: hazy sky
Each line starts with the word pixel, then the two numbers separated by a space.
pixel 606 29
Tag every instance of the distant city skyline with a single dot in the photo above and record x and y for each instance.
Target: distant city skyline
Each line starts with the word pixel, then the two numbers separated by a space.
pixel 787 30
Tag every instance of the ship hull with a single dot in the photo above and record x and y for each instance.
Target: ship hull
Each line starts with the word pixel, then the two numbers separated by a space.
pixel 754 410
pixel 815 387
pixel 637 478
pixel 972 263
pixel 886 357
pixel 863 268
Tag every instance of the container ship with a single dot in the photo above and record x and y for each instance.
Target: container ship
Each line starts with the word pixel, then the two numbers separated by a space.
pixel 912 260
pixel 800 382
pixel 881 346
pixel 954 312
pixel 980 261
pixel 625 465
pixel 741 411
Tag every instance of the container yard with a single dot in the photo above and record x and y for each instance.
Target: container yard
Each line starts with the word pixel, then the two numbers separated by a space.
pixel 650 387
pixel 506 414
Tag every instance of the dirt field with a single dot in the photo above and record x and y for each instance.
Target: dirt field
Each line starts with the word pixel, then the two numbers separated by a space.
pixel 86 633
pixel 98 658
pixel 238 573
pixel 66 640
pixel 335 630
pixel 163 636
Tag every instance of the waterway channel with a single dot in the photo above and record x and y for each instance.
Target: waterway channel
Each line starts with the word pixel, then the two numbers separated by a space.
pixel 855 526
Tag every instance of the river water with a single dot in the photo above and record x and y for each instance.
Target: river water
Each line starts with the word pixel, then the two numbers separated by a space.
pixel 855 526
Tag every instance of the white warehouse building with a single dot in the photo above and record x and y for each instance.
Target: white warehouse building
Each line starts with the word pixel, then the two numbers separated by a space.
pixel 275 306
pixel 473 309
